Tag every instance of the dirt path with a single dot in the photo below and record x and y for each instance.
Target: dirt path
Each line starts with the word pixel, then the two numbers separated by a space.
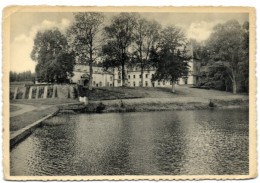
pixel 23 109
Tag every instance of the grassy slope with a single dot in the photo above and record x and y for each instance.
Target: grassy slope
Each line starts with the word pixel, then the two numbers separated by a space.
pixel 45 107
pixel 133 99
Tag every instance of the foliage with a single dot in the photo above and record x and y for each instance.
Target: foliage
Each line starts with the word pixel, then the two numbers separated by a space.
pixel 170 61
pixel 82 36
pixel 54 62
pixel 218 77
pixel 227 44
pixel 200 52
pixel 118 36
pixel 244 64
pixel 146 36
pixel 23 76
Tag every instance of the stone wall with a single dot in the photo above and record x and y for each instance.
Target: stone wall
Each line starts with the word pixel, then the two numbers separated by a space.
pixel 44 91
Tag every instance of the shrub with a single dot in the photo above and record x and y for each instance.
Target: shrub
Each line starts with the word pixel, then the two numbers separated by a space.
pixel 211 104
pixel 100 107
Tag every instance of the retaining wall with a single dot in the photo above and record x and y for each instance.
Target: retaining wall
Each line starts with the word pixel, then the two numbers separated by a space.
pixel 44 91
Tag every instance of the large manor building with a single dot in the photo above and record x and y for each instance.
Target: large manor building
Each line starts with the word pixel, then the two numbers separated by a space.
pixel 112 77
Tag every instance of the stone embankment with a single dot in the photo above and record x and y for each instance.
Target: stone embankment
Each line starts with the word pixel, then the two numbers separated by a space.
pixel 44 91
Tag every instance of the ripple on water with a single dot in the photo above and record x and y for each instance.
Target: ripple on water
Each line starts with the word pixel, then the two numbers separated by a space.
pixel 147 143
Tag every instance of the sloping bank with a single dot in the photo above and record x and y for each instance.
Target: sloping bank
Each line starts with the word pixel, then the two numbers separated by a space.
pixel 134 105
pixel 23 125
pixel 162 104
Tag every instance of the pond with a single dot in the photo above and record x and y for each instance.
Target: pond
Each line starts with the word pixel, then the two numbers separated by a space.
pixel 199 142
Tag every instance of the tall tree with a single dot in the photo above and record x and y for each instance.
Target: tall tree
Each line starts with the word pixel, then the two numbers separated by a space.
pixel 244 63
pixel 146 35
pixel 171 61
pixel 119 35
pixel 83 38
pixel 54 62
pixel 226 44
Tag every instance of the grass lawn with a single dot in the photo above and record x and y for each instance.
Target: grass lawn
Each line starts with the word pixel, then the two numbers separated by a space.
pixel 138 98
pixel 28 118
pixel 44 107
pixel 14 108
pixel 20 83
pixel 48 101
pixel 111 93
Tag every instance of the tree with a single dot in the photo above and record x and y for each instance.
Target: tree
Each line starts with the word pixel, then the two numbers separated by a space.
pixel 54 62
pixel 146 36
pixel 22 76
pixel 200 51
pixel 244 63
pixel 171 61
pixel 226 44
pixel 83 38
pixel 119 35
pixel 218 77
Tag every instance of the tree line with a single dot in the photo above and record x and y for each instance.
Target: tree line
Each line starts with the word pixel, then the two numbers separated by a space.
pixel 23 76
pixel 226 57
pixel 129 40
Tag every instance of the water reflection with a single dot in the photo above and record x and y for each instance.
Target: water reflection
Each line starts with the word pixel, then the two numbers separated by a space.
pixel 151 143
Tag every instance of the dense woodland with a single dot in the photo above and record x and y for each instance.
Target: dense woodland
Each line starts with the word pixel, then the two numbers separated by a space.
pixel 22 76
pixel 129 40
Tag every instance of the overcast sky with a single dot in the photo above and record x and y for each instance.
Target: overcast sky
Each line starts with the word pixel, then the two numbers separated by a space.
pixel 24 27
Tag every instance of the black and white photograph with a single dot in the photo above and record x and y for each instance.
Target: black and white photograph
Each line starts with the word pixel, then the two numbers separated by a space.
pixel 145 93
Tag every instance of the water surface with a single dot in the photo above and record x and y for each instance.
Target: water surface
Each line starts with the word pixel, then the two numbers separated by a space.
pixel 206 142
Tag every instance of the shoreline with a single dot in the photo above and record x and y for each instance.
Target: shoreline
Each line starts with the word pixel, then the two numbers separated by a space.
pixel 127 105
pixel 119 106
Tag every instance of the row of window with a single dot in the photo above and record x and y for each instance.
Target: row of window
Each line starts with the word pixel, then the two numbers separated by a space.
pixel 140 76
pixel 134 83
pixel 96 84
pixel 146 83
pixel 129 76
pixel 100 84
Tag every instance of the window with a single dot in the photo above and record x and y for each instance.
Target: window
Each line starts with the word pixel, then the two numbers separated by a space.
pixel 128 76
pixel 111 78
pixel 140 76
pixel 140 83
pixel 163 83
pixel 159 83
pixel 146 75
pixel 119 81
pixel 152 76
pixel 119 77
pixel 146 83
pixel 134 76
pixel 134 83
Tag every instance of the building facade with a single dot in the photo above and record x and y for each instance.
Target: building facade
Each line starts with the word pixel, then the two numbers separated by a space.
pixel 101 78
pixel 113 77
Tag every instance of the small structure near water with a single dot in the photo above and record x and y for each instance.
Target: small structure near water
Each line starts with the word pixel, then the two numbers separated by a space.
pixel 84 100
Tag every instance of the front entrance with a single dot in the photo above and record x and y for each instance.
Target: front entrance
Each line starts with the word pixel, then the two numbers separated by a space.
pixel 85 82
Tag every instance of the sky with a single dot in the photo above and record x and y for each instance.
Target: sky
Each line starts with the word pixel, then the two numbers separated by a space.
pixel 24 27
